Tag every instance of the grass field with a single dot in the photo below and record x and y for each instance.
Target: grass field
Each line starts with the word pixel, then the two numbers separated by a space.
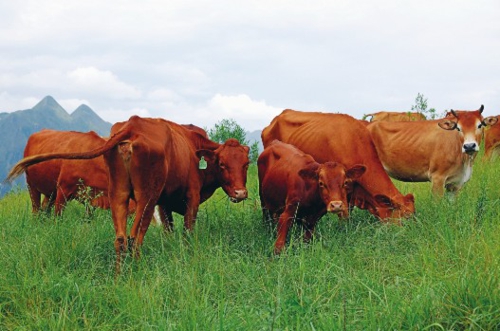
pixel 440 271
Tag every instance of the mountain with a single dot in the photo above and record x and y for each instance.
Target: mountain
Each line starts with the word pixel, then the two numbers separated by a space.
pixel 253 136
pixel 16 127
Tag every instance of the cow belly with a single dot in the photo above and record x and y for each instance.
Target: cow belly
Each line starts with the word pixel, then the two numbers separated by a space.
pixel 407 174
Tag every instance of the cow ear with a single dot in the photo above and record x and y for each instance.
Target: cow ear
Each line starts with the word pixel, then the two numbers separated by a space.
pixel 207 154
pixel 246 148
pixel 409 198
pixel 310 171
pixel 383 200
pixel 447 125
pixel 355 171
pixel 490 120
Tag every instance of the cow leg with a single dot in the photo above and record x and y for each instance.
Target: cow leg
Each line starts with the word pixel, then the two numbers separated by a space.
pixel 284 223
pixel 193 203
pixel 35 197
pixel 166 218
pixel 142 220
pixel 309 225
pixel 63 195
pixel 119 212
pixel 438 185
pixel 48 202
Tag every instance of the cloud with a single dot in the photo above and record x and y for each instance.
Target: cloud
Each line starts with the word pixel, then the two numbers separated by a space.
pixel 95 81
pixel 250 114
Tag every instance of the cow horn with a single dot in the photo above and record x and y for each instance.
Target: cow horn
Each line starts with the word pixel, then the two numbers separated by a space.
pixel 481 109
pixel 453 112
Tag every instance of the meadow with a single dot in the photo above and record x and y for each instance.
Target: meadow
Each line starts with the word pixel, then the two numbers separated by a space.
pixel 439 271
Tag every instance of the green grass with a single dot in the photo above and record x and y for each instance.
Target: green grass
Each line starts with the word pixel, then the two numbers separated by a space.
pixel 440 271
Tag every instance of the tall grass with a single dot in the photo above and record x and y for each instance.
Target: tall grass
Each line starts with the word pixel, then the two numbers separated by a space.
pixel 440 271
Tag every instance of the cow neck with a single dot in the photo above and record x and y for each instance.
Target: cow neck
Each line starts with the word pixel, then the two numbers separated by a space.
pixel 210 180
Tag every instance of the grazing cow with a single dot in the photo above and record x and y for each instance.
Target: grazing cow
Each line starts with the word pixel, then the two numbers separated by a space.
pixel 293 185
pixel 391 116
pixel 61 180
pixel 491 141
pixel 440 151
pixel 343 139
pixel 155 161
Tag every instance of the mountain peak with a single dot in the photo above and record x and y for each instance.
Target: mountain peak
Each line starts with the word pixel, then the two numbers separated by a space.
pixel 83 109
pixel 50 104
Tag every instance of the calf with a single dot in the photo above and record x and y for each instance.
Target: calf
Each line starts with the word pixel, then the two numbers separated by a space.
pixel 293 185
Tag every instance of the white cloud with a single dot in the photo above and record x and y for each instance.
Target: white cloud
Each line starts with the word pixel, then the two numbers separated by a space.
pixel 102 82
pixel 250 114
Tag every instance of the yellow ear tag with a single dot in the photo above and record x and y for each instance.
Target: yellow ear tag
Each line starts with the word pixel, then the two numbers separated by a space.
pixel 203 164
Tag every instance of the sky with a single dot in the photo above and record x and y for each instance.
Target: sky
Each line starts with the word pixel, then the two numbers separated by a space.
pixel 203 61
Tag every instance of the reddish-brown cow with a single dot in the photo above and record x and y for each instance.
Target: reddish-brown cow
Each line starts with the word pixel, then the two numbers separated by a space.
pixel 295 186
pixel 155 161
pixel 440 151
pixel 60 180
pixel 343 139
pixel 391 116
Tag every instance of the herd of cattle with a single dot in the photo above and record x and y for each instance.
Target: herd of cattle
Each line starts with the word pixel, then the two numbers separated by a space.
pixel 313 163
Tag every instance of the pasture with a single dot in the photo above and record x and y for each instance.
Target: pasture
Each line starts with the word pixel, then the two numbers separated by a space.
pixel 440 271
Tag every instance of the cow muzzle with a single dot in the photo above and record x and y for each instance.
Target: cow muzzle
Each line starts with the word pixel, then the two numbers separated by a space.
pixel 470 148
pixel 335 207
pixel 239 195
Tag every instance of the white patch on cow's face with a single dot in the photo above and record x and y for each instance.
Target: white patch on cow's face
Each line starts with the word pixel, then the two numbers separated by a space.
pixel 471 140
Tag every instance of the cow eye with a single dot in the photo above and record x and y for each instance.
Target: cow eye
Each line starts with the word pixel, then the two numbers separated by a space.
pixel 321 184
pixel 222 165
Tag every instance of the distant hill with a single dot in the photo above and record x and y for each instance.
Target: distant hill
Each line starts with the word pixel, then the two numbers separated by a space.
pixel 16 127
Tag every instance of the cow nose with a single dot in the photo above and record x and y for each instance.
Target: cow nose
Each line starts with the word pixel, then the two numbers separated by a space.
pixel 470 147
pixel 335 206
pixel 240 195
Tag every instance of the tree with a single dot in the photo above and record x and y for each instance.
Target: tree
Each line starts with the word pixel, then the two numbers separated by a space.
pixel 420 106
pixel 228 128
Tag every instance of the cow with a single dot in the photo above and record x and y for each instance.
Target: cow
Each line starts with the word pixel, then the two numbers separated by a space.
pixel 395 116
pixel 158 162
pixel 491 141
pixel 60 181
pixel 343 139
pixel 295 186
pixel 440 151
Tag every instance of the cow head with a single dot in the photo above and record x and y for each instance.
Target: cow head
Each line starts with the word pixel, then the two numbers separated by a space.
pixel 469 125
pixel 230 164
pixel 386 209
pixel 334 182
pixel 394 209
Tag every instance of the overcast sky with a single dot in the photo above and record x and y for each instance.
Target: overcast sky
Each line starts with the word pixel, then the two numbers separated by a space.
pixel 202 61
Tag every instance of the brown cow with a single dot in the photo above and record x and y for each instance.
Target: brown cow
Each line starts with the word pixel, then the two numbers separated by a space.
pixel 343 139
pixel 292 184
pixel 440 151
pixel 60 180
pixel 491 141
pixel 155 161
pixel 391 116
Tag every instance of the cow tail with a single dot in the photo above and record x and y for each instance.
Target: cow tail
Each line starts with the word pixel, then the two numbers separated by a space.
pixel 20 167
